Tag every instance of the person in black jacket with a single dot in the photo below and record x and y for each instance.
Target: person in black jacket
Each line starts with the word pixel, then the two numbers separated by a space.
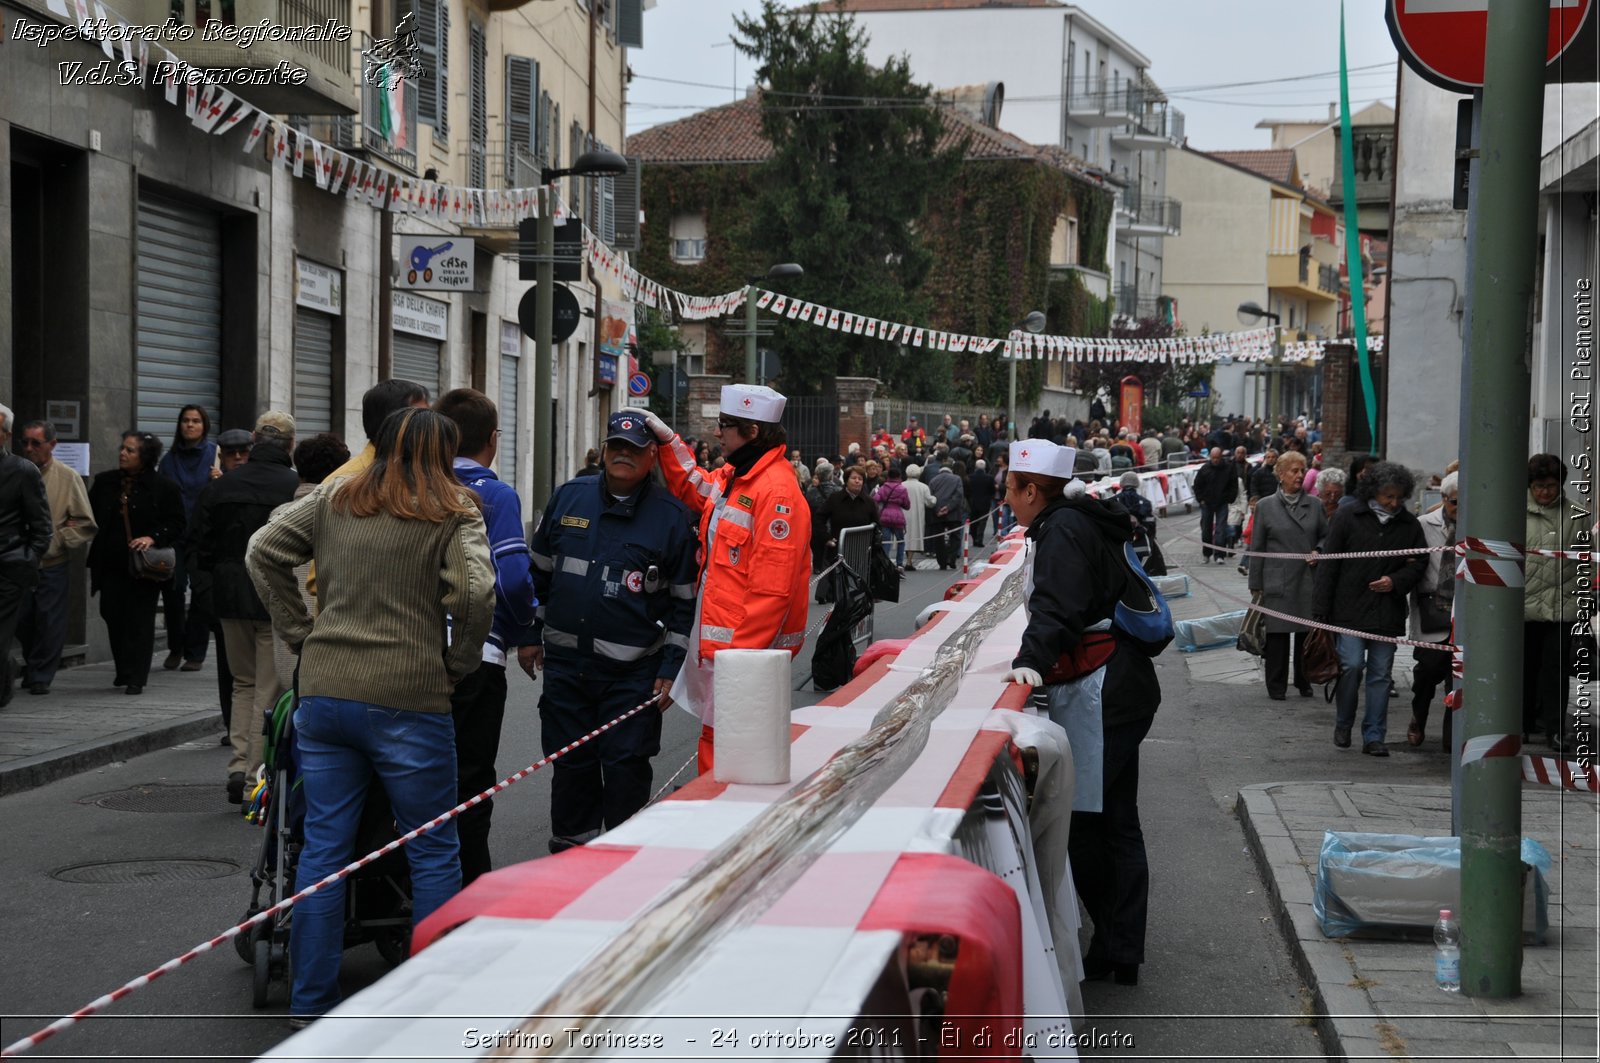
pixel 1263 480
pixel 849 508
pixel 1215 486
pixel 1078 576
pixel 1369 594
pixel 25 533
pixel 227 513
pixel 135 509
pixel 980 499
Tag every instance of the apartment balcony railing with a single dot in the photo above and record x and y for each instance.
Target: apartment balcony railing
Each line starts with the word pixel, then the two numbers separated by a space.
pixel 1303 276
pixel 1328 279
pixel 1138 305
pixel 510 165
pixel 1159 125
pixel 332 67
pixel 376 133
pixel 1104 103
pixel 1373 148
pixel 1152 215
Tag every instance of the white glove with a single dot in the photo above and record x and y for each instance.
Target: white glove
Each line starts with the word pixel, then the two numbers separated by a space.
pixel 657 426
pixel 1026 676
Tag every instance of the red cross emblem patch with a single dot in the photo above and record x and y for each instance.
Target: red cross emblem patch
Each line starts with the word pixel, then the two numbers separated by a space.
pixel 747 402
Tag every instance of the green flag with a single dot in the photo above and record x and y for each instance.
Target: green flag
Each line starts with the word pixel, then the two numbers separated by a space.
pixel 1352 241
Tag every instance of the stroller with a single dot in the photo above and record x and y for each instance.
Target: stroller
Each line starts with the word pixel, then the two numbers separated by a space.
pixel 377 899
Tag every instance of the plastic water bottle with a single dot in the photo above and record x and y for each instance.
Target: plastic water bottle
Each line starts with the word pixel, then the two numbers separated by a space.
pixel 1447 952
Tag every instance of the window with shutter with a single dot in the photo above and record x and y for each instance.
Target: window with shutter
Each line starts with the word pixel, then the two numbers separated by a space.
pixel 478 109
pixel 442 126
pixel 522 89
pixel 541 135
pixel 427 20
pixel 630 23
pixel 626 208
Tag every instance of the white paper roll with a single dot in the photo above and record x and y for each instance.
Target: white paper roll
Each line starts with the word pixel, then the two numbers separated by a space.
pixel 751 692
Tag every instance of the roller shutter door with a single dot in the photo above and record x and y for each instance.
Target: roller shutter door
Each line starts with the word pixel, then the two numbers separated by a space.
pixel 417 358
pixel 510 401
pixel 313 372
pixel 178 344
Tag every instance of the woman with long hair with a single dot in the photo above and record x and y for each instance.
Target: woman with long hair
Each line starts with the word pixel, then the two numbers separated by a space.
pixel 135 510
pixel 406 591
pixel 190 463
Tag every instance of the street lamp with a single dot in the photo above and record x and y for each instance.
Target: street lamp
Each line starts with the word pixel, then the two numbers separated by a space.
pixel 1033 323
pixel 1249 314
pixel 589 164
pixel 781 271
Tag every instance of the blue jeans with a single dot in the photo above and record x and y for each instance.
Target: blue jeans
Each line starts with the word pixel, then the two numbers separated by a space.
pixel 894 544
pixel 1375 658
pixel 341 743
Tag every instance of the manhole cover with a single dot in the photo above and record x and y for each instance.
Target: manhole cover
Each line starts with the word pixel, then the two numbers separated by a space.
pixel 133 871
pixel 159 797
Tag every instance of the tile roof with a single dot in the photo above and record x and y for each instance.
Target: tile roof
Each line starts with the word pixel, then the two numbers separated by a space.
pixel 1275 164
pixel 732 134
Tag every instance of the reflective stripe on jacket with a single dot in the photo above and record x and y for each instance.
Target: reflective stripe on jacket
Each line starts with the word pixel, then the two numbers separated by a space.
pixel 755 531
pixel 615 578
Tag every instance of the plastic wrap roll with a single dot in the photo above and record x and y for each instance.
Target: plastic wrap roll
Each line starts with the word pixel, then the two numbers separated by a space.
pixel 751 693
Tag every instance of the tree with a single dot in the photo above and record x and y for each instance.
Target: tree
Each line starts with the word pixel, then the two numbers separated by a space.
pixel 850 175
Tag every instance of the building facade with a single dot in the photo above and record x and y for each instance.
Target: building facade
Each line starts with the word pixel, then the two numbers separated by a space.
pixel 146 263
pixel 1068 80
pixel 1254 236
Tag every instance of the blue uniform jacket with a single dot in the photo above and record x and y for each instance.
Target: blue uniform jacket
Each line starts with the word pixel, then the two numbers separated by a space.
pixel 514 601
pixel 616 579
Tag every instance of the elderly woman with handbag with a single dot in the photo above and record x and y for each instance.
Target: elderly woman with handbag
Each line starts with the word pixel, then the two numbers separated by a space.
pixel 127 569
pixel 1286 522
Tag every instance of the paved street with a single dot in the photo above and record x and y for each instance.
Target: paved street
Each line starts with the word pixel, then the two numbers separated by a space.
pixel 1236 792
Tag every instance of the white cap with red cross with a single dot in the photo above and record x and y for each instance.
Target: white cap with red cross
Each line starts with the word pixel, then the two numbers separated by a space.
pixel 752 401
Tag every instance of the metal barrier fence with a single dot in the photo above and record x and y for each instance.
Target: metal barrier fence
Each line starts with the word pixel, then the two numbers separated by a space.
pixel 855 554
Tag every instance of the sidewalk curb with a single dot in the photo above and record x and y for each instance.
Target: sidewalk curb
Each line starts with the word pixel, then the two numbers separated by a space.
pixel 1322 962
pixel 30 773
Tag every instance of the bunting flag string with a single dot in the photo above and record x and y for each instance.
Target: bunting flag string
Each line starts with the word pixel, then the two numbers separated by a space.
pixel 216 111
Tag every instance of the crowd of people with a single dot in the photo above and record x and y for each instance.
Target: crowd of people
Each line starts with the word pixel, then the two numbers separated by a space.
pixel 391 589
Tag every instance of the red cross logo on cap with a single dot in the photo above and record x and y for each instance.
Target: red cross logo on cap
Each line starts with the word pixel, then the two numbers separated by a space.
pixel 627 426
pixel 1024 453
pixel 747 402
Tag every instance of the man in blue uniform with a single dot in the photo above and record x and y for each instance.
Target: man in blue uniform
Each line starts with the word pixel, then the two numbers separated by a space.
pixel 478 703
pixel 614 566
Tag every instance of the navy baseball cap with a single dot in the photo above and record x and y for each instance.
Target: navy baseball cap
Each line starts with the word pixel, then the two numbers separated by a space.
pixel 630 429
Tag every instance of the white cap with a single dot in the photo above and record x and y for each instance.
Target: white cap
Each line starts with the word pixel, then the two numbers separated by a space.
pixel 1037 456
pixel 1065 463
pixel 752 401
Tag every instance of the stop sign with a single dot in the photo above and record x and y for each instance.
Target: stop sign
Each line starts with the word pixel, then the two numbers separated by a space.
pixel 1443 40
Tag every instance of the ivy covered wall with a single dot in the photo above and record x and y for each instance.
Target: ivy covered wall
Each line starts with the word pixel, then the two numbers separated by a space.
pixel 989 235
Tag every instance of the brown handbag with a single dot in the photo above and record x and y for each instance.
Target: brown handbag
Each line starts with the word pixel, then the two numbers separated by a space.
pixel 1319 661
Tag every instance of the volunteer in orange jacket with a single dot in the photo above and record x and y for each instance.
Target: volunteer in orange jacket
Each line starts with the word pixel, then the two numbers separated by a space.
pixel 755 530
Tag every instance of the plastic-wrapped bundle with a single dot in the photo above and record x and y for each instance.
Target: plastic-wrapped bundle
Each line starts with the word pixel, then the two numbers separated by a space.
pixel 1173 586
pixel 733 885
pixel 1392 883
pixel 1209 632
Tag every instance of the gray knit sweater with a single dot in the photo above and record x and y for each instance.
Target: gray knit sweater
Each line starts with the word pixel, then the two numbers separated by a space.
pixel 386 587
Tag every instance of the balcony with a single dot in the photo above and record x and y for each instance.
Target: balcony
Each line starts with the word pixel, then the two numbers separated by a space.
pixel 1151 215
pixel 1141 306
pixel 1303 276
pixel 374 134
pixel 332 67
pixel 1159 127
pixel 1100 103
pixel 1374 157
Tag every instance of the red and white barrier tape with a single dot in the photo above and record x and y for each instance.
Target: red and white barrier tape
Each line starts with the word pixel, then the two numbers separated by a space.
pixel 1304 622
pixel 37 1038
pixel 966 549
pixel 1567 774
pixel 1497 547
pixel 1486 572
pixel 1483 747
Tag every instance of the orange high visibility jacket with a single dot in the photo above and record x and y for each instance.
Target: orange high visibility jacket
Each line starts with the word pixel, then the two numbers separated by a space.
pixel 757 566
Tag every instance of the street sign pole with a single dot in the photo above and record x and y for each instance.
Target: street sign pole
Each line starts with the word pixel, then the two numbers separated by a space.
pixel 1502 241
pixel 544 295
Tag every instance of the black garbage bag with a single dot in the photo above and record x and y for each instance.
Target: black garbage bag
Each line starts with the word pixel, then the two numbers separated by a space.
pixel 834 658
pixel 883 576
